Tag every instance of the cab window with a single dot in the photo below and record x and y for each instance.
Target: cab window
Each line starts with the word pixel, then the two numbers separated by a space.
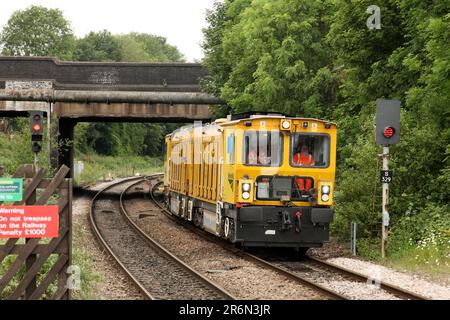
pixel 310 150
pixel 262 148
pixel 230 148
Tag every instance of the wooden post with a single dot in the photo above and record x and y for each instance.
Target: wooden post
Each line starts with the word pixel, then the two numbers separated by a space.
pixel 32 257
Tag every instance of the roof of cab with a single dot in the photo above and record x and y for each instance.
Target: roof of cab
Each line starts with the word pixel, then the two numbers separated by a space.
pixel 228 122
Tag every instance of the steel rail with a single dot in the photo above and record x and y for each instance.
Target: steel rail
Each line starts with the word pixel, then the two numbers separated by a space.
pixel 286 273
pixel 211 284
pixel 147 295
pixel 395 290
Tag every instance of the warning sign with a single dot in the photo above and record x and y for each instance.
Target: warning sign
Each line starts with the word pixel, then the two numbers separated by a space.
pixel 11 189
pixel 29 221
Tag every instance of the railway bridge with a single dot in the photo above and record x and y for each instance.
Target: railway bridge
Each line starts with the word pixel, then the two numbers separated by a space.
pixel 107 92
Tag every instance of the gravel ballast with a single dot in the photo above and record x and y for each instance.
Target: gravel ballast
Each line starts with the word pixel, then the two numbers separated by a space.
pixel 403 280
pixel 112 284
pixel 240 277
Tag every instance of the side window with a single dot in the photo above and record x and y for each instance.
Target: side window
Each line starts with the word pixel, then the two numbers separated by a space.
pixel 230 148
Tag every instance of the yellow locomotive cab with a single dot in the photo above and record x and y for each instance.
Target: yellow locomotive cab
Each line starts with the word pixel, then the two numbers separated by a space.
pixel 258 180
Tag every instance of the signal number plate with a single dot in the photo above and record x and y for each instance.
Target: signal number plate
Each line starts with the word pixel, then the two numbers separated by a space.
pixel 386 176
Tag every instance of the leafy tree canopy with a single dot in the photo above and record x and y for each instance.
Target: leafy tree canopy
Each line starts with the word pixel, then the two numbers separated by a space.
pixel 319 59
pixel 99 46
pixel 144 47
pixel 38 31
pixel 131 47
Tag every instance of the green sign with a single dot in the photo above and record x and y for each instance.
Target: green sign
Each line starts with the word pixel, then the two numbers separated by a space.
pixel 11 189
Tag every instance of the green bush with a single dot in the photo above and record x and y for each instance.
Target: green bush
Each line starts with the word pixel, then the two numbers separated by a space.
pixel 425 231
pixel 97 167
pixel 16 148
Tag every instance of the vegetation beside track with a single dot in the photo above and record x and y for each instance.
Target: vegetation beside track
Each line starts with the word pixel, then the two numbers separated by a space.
pixel 80 257
pixel 98 167
pixel 90 277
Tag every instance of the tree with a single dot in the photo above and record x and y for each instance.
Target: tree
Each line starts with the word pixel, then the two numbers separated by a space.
pixel 38 31
pixel 132 50
pixel 144 47
pixel 222 15
pixel 99 46
pixel 269 55
pixel 124 138
pixel 318 59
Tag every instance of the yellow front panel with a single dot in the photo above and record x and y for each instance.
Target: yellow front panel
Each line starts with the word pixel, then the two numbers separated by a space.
pixel 318 174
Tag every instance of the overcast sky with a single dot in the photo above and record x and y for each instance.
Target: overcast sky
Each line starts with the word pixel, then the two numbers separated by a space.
pixel 180 21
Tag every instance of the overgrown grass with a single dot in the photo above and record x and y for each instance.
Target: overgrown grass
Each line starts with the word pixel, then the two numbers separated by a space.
pixel 97 167
pixel 84 260
pixel 426 260
pixel 418 241
pixel 80 257
pixel 16 279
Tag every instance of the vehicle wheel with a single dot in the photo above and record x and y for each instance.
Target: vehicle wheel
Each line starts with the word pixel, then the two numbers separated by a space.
pixel 228 228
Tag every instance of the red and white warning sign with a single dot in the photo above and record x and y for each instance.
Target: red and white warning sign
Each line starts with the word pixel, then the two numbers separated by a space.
pixel 29 221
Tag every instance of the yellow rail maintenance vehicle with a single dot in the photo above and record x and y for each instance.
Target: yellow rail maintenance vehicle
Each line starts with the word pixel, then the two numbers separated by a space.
pixel 256 180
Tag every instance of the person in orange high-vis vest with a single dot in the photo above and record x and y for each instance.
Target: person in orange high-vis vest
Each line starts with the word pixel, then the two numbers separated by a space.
pixel 303 158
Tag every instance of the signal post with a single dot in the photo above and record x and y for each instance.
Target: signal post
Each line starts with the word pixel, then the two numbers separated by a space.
pixel 387 133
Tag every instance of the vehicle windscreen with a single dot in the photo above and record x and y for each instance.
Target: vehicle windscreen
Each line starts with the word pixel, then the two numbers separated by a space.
pixel 310 150
pixel 262 148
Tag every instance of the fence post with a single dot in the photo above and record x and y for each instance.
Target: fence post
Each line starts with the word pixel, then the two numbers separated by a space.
pixel 353 238
pixel 31 259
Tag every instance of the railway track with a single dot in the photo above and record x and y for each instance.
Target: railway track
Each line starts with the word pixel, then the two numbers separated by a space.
pixel 156 272
pixel 289 271
pixel 322 290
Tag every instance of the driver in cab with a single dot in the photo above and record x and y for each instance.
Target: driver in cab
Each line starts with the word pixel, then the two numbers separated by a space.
pixel 304 158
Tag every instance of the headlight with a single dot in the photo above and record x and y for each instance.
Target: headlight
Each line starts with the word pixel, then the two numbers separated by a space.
pixel 325 197
pixel 285 124
pixel 245 195
pixel 246 187
pixel 326 189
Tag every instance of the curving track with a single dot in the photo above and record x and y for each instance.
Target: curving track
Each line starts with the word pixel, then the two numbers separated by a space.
pixel 155 271
pixel 290 272
pixel 321 290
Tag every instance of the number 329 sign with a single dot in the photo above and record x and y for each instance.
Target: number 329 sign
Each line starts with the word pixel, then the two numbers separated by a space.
pixel 386 176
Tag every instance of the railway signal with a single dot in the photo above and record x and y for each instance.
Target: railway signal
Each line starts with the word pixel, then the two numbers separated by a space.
pixel 387 133
pixel 388 122
pixel 37 130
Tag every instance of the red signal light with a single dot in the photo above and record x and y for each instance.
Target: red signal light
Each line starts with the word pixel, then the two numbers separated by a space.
pixel 388 132
pixel 37 127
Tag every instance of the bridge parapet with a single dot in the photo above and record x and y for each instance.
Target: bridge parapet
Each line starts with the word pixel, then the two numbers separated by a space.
pixel 114 76
pixel 88 90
